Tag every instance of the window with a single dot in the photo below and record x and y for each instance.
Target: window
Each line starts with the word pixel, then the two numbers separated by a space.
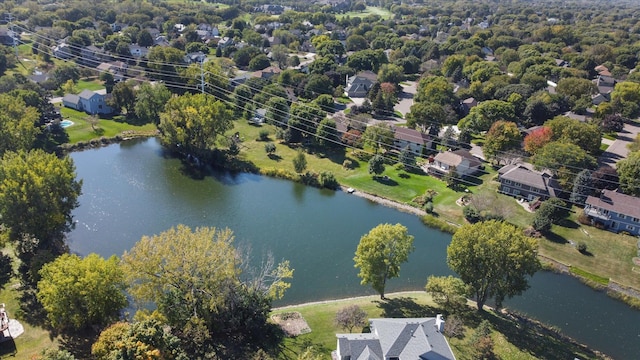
pixel 622 216
pixel 506 190
pixel 507 181
pixel 635 220
pixel 631 227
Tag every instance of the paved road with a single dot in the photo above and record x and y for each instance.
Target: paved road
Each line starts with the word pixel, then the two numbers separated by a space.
pixel 618 150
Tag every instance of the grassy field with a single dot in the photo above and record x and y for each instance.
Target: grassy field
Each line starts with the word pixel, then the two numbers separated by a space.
pixel 370 10
pixel 89 85
pixel 513 339
pixel 81 130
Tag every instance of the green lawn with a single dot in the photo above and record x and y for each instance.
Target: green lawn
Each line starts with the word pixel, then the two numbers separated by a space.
pixel 89 85
pixel 81 130
pixel 512 340
pixel 370 10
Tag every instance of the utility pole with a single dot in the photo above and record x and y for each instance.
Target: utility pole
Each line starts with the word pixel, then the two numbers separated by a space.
pixel 13 34
pixel 202 74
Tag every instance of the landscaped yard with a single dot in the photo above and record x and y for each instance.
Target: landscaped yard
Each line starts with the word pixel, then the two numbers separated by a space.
pixel 512 340
pixel 81 130
pixel 89 85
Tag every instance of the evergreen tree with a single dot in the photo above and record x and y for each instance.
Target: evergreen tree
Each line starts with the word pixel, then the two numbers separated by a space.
pixel 581 188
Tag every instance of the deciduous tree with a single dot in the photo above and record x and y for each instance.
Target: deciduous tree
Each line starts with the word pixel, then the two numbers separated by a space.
pixel 502 136
pixel 563 158
pixel 350 317
pixel 299 162
pixel 18 129
pixel 448 292
pixel 376 165
pixel 190 124
pixel 380 253
pixel 150 101
pixel 378 135
pixel 38 192
pixel 537 139
pixel 494 258
pixel 629 174
pixel 78 292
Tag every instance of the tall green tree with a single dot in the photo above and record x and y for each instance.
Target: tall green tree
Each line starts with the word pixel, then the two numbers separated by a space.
pixel 196 280
pixel 378 135
pixel 277 111
pixel 326 133
pixel 300 162
pixel 582 188
pixel 629 174
pixel 376 165
pixel 38 192
pixel 494 258
pixel 150 101
pixel 563 158
pixel 123 97
pixel 380 253
pixel 190 124
pixel 77 293
pixel 18 130
pixel 586 136
pixel 502 136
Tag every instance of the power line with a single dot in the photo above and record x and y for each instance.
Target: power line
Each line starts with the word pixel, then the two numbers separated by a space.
pixel 225 91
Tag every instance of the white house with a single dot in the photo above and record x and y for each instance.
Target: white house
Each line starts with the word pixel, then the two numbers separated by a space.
pixel 462 160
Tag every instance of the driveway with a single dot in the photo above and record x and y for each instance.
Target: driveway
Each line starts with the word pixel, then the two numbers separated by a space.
pixel 406 97
pixel 618 150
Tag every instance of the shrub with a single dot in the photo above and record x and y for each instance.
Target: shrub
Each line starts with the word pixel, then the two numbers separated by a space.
pixel 347 164
pixel 328 180
pixel 263 135
pixel 435 223
pixel 270 148
pixel 362 155
pixel 428 207
pixel 584 218
pixel 471 214
pixel 582 247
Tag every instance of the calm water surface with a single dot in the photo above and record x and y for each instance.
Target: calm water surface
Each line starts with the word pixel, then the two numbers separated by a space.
pixel 133 189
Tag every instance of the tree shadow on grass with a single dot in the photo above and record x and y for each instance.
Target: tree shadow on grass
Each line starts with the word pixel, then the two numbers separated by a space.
pixel 31 311
pixel 553 237
pixel 541 342
pixel 566 223
pixel 385 180
pixel 79 344
pixel 275 157
pixel 405 307
pixel 8 347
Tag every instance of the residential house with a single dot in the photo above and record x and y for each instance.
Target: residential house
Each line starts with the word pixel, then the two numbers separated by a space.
pixel 62 51
pixel 225 42
pixel 415 140
pixel 520 180
pixel 9 37
pixel 605 84
pixel 359 85
pixel 153 32
pixel 39 77
pixel 562 63
pixel 161 41
pixel 462 160
pixel 602 70
pixel 615 211
pixel 195 57
pixel 400 339
pixel 267 73
pixel 117 68
pixel 258 116
pixel 88 101
pixel 467 104
pixel 138 51
pixel 239 80
pixel 91 56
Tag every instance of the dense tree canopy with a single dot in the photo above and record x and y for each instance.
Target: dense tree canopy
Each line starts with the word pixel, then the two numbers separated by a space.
pixel 503 136
pixel 190 124
pixel 380 253
pixel 38 192
pixel 18 121
pixel 629 174
pixel 494 258
pixel 79 292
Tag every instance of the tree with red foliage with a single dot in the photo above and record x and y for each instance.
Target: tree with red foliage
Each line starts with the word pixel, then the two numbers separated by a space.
pixel 537 139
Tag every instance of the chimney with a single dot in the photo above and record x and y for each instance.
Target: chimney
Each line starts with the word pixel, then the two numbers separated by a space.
pixel 439 323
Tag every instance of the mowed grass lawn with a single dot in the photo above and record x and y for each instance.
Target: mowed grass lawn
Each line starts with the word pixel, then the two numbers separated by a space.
pixel 86 84
pixel 511 342
pixel 370 10
pixel 81 130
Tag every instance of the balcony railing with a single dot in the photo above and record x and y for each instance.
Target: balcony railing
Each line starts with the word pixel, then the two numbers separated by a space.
pixel 596 213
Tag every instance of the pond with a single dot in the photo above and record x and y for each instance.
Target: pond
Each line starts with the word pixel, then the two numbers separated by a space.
pixel 134 189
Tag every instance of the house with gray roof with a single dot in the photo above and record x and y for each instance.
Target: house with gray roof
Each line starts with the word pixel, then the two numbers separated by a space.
pixel 520 180
pixel 462 160
pixel 88 101
pixel 359 85
pixel 615 211
pixel 400 339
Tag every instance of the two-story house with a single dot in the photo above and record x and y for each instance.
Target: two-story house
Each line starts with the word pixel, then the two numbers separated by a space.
pixel 461 160
pixel 615 211
pixel 415 140
pixel 88 101
pixel 520 180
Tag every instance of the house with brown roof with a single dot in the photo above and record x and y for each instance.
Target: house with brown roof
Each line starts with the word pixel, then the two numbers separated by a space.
pixel 520 180
pixel 615 211
pixel 462 160
pixel 415 140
